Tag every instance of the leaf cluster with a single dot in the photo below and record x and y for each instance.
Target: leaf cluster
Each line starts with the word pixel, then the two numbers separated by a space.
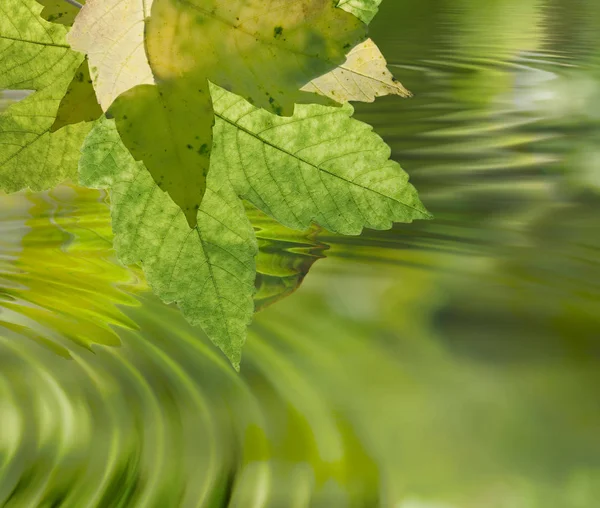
pixel 186 110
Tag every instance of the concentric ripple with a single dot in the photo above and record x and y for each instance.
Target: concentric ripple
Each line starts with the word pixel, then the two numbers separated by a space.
pixel 443 364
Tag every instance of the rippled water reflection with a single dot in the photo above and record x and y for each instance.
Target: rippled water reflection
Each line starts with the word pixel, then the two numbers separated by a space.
pixel 444 364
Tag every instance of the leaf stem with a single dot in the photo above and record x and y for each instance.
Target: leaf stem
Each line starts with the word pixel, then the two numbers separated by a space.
pixel 74 3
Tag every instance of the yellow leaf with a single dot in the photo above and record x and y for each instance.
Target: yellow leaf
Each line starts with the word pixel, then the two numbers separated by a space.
pixel 363 77
pixel 111 33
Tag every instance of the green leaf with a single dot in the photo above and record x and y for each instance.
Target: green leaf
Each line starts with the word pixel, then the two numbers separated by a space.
pixel 318 166
pixel 34 55
pixel 169 128
pixel 208 270
pixel 264 52
pixel 364 10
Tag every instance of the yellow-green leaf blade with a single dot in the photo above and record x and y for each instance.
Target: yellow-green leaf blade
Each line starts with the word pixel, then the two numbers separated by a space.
pixel 169 127
pixel 319 165
pixel 263 51
pixel 33 52
pixel 30 156
pixel 79 103
pixel 208 270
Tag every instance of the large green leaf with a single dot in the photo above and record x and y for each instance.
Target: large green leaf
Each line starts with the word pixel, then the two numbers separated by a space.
pixel 34 55
pixel 317 166
pixel 208 270
pixel 266 52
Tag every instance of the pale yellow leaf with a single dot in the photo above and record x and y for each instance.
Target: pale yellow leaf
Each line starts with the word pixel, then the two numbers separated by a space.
pixel 363 77
pixel 111 33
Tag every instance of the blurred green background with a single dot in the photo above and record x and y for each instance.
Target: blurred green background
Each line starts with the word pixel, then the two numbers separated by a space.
pixel 445 364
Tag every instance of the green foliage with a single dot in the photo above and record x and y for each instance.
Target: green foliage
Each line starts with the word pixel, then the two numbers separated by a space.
pixel 153 68
pixel 318 165
pixel 297 173
pixel 34 55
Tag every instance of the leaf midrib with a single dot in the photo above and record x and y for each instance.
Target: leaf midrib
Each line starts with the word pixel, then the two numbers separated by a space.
pixel 26 41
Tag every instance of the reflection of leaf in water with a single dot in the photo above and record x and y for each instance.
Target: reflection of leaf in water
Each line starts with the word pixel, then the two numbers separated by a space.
pixel 63 283
pixel 285 256
pixel 27 331
pixel 297 413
